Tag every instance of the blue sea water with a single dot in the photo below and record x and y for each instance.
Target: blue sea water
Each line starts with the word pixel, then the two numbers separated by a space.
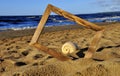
pixel 28 22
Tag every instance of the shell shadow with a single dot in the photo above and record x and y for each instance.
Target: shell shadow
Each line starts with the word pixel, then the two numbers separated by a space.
pixel 80 53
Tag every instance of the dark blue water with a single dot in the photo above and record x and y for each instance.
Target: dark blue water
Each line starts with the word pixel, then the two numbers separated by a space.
pixel 27 22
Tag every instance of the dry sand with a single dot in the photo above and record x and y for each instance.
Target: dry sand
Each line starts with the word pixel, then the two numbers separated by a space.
pixel 17 58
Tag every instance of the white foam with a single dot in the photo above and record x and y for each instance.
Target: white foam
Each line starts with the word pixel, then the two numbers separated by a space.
pixel 110 19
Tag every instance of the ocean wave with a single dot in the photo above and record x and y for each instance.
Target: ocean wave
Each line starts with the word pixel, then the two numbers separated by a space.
pixel 30 22
pixel 13 28
pixel 105 19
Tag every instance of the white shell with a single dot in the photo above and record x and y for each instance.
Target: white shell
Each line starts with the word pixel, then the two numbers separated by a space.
pixel 68 48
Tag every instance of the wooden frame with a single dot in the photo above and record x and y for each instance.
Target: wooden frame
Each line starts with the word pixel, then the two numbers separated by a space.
pixel 50 8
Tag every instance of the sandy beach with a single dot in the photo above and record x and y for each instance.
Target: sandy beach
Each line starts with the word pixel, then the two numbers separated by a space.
pixel 17 58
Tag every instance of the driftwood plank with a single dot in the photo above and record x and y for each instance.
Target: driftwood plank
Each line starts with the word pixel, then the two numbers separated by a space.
pixel 75 18
pixel 50 8
pixel 94 43
pixel 52 52
pixel 40 26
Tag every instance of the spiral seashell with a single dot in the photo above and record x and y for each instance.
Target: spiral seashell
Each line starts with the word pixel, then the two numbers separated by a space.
pixel 68 48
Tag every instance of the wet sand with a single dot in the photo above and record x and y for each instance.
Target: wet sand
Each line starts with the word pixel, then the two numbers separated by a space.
pixel 17 58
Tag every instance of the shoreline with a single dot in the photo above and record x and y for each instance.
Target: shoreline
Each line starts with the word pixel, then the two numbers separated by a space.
pixel 29 32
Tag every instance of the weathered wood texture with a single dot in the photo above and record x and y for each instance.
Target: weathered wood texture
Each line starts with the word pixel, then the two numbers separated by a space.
pixel 52 52
pixel 94 43
pixel 50 8
pixel 75 18
pixel 41 25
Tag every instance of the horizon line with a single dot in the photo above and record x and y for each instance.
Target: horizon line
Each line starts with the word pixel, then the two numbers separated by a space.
pixel 56 14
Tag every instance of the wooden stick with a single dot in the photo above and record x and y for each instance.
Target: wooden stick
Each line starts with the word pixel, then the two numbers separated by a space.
pixel 40 26
pixel 52 52
pixel 94 43
pixel 75 18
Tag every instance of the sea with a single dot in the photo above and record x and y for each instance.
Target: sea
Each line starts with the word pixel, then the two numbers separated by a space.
pixel 31 21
